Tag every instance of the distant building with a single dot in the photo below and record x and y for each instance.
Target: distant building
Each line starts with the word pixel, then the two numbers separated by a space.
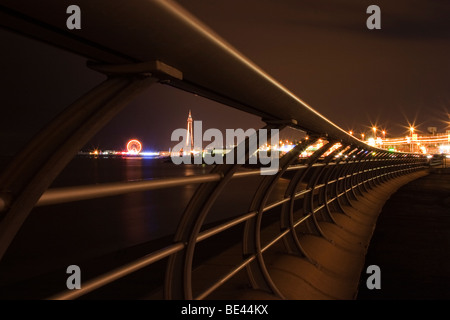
pixel 432 130
pixel 189 135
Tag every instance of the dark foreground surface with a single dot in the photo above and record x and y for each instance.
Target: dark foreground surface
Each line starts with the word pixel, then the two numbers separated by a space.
pixel 411 243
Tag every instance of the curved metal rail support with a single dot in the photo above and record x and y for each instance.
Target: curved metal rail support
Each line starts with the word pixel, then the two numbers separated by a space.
pixel 321 188
pixel 32 171
pixel 179 271
pixel 287 216
pixel 257 271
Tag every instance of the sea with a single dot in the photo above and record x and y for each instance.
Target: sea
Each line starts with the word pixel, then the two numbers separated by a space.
pixel 116 228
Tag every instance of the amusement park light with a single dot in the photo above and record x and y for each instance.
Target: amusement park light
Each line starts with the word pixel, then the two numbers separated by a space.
pixel 134 146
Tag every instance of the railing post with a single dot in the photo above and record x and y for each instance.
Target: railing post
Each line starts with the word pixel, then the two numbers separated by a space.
pixel 257 271
pixel 325 179
pixel 33 170
pixel 348 180
pixel 313 182
pixel 356 175
pixel 178 284
pixel 291 241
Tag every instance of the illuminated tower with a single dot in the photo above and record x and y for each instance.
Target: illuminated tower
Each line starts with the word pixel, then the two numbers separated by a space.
pixel 189 134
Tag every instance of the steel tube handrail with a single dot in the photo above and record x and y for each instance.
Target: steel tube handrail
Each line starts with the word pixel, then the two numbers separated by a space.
pixel 247 261
pixel 165 252
pixel 225 226
pixel 160 254
pixel 68 194
pixel 251 90
pixel 302 219
pixel 86 192
pixel 276 204
pixel 227 277
pixel 120 272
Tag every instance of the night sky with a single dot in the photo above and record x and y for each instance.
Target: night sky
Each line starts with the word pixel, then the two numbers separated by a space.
pixel 322 51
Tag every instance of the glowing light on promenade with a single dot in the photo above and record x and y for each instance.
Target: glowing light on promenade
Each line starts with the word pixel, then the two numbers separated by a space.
pixel 134 146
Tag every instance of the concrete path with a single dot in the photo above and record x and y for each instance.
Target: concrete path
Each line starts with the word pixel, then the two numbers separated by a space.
pixel 411 242
pixel 333 263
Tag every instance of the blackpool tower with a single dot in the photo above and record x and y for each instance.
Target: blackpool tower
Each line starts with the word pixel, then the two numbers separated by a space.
pixel 189 135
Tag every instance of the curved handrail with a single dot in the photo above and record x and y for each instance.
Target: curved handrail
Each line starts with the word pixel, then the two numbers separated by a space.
pixel 162 30
pixel 164 42
pixel 164 252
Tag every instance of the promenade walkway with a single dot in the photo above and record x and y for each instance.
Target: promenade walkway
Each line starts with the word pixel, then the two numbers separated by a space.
pixel 411 242
pixel 335 262
pixel 401 226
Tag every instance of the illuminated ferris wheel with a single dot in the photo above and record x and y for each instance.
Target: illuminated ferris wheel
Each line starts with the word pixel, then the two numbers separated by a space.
pixel 134 146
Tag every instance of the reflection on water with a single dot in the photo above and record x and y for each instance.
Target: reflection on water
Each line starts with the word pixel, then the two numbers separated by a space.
pixel 132 214
pixel 153 214
pixel 54 237
pixel 64 234
pixel 87 170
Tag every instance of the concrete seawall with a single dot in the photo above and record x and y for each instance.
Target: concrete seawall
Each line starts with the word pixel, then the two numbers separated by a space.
pixel 332 265
pixel 411 243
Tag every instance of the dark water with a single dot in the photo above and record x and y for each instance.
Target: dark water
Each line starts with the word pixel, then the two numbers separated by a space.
pixel 54 237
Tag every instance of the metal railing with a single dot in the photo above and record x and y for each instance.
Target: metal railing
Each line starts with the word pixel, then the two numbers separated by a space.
pixel 317 187
pixel 371 171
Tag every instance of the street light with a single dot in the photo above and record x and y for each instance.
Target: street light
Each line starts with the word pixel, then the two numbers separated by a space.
pixel 411 128
pixel 374 132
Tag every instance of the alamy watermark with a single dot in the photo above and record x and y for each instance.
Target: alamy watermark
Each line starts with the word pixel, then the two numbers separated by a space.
pixel 74 20
pixel 232 150
pixel 74 280
pixel 374 280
